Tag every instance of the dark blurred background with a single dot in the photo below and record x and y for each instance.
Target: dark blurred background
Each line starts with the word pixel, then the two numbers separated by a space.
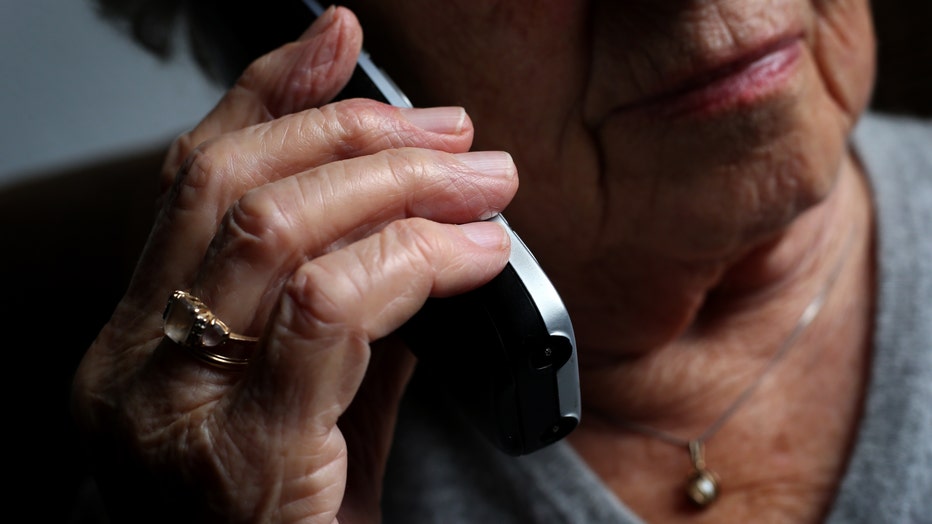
pixel 87 116
pixel 904 33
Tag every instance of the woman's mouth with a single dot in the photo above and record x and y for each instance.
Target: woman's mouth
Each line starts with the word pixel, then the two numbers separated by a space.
pixel 740 82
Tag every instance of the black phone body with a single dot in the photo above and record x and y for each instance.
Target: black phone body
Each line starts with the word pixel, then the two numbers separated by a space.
pixel 505 352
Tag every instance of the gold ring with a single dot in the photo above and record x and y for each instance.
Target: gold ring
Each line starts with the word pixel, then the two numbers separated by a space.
pixel 190 323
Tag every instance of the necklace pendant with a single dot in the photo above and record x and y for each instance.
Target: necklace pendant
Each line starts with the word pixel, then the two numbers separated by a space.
pixel 702 487
pixel 702 484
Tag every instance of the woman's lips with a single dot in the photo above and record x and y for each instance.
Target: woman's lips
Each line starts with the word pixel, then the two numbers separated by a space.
pixel 738 83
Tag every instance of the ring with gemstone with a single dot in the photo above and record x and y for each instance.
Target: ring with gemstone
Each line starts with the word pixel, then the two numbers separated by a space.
pixel 190 323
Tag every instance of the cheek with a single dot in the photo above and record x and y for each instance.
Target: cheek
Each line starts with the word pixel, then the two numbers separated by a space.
pixel 843 45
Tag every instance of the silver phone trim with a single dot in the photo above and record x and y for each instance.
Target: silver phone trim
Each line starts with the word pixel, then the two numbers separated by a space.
pixel 552 312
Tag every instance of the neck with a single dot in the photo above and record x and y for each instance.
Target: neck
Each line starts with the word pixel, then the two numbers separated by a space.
pixel 767 453
pixel 730 322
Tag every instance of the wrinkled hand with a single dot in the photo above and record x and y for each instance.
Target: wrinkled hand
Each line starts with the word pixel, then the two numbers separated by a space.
pixel 319 229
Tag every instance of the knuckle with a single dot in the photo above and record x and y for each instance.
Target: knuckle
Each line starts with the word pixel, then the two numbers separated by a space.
pixel 259 220
pixel 358 288
pixel 200 168
pixel 429 180
pixel 205 174
pixel 420 242
pixel 178 152
pixel 363 126
pixel 283 68
pixel 196 170
pixel 322 296
pixel 420 170
pixel 401 165
pixel 251 78
pixel 313 127
pixel 282 81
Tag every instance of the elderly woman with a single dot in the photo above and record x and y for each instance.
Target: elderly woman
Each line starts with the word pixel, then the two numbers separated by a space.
pixel 750 299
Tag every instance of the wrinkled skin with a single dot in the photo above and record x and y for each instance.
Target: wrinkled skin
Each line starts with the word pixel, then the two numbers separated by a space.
pixel 322 233
pixel 669 226
pixel 605 179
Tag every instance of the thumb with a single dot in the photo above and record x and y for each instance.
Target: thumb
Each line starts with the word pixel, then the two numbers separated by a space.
pixel 310 71
pixel 297 76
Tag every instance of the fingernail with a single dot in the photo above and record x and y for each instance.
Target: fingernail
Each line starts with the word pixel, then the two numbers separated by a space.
pixel 321 24
pixel 445 120
pixel 490 235
pixel 494 163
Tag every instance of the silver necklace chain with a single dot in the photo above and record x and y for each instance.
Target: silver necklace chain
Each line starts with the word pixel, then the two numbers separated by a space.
pixel 805 320
pixel 703 487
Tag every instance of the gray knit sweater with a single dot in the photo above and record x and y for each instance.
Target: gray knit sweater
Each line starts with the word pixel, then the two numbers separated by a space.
pixel 441 472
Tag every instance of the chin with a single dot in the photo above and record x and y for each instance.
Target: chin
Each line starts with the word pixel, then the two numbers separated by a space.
pixel 711 184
